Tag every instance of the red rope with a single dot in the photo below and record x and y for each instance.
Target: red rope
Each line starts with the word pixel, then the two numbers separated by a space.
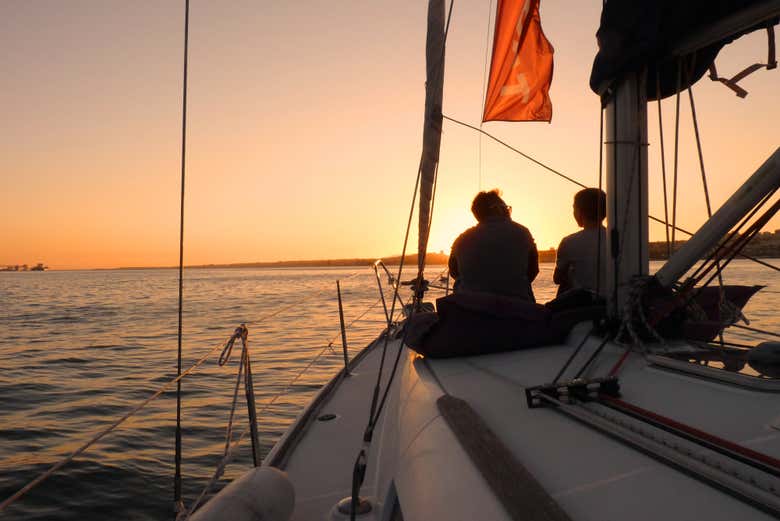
pixel 711 438
pixel 614 370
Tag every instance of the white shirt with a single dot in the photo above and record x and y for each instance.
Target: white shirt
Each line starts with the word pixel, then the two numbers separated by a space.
pixel 578 257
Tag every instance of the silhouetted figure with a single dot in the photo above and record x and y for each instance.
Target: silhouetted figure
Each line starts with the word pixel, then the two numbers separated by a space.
pixel 497 255
pixel 578 262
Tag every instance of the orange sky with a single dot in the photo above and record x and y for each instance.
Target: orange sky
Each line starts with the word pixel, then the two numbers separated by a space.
pixel 304 130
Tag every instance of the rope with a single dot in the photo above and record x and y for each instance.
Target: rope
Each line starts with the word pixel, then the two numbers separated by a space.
pixel 45 475
pixel 513 149
pixel 600 217
pixel 573 354
pixel 298 302
pixel 676 150
pixel 396 287
pixel 229 429
pixel 756 330
pixel 484 90
pixel 663 163
pixel 177 458
pixel 673 226
pixel 721 291
pixel 227 347
pixel 231 447
pixel 743 255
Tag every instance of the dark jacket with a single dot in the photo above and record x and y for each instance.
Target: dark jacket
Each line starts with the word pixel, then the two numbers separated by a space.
pixel 496 256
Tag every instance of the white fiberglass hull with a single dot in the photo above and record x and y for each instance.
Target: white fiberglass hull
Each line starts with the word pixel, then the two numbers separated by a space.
pixel 416 459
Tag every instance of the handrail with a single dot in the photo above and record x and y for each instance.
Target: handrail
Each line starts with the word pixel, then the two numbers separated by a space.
pixel 392 281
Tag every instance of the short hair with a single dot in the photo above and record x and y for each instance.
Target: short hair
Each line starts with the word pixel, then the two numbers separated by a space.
pixel 488 204
pixel 592 203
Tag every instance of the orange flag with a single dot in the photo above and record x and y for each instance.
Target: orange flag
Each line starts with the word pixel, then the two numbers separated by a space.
pixel 521 67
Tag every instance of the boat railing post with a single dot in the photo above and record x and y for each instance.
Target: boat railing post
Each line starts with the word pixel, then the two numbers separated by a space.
pixel 343 330
pixel 381 293
pixel 250 400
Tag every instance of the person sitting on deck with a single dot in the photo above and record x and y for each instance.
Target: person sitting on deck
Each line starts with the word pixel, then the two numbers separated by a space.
pixel 578 263
pixel 497 255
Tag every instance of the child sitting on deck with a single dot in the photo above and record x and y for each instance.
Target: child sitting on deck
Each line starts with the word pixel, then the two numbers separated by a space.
pixel 578 263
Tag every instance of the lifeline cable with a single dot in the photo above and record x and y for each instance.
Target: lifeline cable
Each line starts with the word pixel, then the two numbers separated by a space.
pixel 99 435
pixel 232 446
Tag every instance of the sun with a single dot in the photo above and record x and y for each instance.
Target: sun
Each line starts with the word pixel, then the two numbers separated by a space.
pixel 447 225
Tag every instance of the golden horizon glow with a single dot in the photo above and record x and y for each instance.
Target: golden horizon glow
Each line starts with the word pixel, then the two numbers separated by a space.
pixel 306 147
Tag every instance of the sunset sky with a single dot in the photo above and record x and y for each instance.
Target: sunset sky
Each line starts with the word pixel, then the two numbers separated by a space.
pixel 304 130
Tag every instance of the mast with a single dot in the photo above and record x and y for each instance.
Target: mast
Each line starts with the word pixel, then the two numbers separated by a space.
pixel 429 162
pixel 626 153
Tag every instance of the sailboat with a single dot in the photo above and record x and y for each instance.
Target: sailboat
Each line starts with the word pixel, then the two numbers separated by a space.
pixel 620 420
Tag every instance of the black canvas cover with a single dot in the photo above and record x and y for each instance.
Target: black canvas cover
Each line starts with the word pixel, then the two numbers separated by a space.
pixel 642 33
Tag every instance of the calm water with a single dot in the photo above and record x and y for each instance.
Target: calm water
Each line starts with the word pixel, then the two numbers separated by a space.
pixel 80 348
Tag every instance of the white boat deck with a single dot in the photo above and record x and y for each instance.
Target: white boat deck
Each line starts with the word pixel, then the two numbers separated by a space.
pixel 416 458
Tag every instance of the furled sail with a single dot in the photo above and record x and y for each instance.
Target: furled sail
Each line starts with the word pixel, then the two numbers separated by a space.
pixel 651 34
pixel 522 65
pixel 429 162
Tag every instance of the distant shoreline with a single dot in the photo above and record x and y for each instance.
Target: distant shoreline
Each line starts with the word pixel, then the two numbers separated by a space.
pixel 764 246
pixel 431 258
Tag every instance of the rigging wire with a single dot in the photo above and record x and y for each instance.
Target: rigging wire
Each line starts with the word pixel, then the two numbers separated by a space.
pixel 231 446
pixel 663 162
pixel 673 226
pixel 615 251
pixel 721 291
pixel 728 244
pixel 100 434
pixel 358 473
pixel 177 473
pixel 756 330
pixel 300 301
pixel 484 92
pixel 676 149
pixel 599 258
pixel 510 147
